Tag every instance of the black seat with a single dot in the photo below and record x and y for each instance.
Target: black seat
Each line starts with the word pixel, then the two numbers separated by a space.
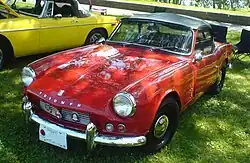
pixel 67 11
pixel 242 48
pixel 219 33
pixel 152 37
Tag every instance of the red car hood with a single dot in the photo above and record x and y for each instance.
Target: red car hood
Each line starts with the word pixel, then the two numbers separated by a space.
pixel 94 76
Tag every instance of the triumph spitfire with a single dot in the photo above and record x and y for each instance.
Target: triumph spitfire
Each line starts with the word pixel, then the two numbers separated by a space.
pixel 28 28
pixel 129 90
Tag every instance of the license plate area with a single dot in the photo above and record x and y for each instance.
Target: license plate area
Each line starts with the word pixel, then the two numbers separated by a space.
pixel 53 137
pixel 50 109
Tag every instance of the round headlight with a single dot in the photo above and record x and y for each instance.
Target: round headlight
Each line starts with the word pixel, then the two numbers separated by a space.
pixel 28 75
pixel 124 104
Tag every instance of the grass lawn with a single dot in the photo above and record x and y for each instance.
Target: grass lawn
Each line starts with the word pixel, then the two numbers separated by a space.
pixel 214 129
pixel 245 12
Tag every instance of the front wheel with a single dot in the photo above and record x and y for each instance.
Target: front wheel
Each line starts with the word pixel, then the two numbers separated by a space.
pixel 6 53
pixel 164 126
pixel 94 36
pixel 2 58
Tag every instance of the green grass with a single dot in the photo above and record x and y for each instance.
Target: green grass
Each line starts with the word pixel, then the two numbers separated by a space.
pixel 245 12
pixel 214 129
pixel 25 5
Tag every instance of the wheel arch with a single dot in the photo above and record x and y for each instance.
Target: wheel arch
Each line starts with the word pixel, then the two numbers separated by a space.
pixel 172 93
pixel 100 29
pixel 9 44
pixel 226 60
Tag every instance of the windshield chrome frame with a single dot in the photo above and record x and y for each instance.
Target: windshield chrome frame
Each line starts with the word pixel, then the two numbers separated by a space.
pixel 27 13
pixel 45 8
pixel 153 47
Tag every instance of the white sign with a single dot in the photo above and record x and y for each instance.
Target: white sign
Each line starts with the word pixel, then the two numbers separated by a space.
pixel 53 137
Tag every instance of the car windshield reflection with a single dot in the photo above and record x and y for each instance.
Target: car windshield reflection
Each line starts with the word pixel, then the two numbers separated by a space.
pixel 165 36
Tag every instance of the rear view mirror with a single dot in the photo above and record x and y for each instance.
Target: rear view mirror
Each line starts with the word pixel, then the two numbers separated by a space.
pixel 198 56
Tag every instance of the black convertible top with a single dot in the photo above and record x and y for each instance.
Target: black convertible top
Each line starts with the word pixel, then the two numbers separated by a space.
pixel 183 20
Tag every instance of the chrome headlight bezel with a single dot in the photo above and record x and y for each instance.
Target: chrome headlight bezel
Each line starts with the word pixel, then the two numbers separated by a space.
pixel 28 76
pixel 131 104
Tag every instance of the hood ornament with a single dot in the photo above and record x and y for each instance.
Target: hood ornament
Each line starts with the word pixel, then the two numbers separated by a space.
pixel 60 93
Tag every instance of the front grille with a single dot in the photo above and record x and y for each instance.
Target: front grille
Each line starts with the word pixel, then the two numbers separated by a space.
pixel 70 116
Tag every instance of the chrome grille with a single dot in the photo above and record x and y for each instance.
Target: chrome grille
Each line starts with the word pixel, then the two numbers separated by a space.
pixel 68 116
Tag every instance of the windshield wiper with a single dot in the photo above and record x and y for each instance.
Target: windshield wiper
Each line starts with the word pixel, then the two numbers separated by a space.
pixel 172 48
pixel 121 42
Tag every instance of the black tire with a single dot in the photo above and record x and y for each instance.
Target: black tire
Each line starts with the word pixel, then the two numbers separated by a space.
pixel 216 88
pixel 6 53
pixel 97 34
pixel 171 109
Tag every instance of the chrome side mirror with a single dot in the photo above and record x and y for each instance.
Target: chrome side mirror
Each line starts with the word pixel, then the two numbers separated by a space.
pixel 101 40
pixel 198 56
pixel 58 16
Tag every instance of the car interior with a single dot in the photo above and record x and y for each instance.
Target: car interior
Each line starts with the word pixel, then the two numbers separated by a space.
pixel 168 37
pixel 64 8
pixel 204 42
pixel 67 8
pixel 170 40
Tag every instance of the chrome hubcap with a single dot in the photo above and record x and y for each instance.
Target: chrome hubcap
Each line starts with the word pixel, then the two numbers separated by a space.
pixel 1 56
pixel 161 126
pixel 95 37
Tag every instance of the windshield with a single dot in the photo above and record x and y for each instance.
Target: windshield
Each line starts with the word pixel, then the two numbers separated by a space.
pixel 166 36
pixel 30 7
pixel 44 8
pixel 4 13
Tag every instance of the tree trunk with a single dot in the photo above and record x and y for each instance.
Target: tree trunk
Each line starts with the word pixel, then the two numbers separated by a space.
pixel 213 3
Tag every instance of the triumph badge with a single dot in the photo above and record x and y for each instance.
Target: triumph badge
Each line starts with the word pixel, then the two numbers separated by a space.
pixel 75 117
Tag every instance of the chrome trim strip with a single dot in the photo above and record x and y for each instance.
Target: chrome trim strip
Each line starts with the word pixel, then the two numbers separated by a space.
pixel 16 30
pixel 100 139
pixel 65 26
pixel 74 25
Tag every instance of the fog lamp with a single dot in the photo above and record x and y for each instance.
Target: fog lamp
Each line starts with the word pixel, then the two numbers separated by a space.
pixel 121 128
pixel 109 127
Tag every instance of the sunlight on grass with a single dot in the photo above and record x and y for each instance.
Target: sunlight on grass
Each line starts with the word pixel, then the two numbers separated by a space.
pixel 6 155
pixel 245 12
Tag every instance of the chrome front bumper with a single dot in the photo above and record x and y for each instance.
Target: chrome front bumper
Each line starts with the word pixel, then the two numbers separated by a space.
pixel 90 135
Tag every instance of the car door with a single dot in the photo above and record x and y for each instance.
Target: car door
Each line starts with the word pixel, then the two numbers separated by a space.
pixel 22 31
pixel 205 69
pixel 93 25
pixel 58 27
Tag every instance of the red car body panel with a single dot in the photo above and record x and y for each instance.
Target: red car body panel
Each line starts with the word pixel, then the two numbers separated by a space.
pixel 91 76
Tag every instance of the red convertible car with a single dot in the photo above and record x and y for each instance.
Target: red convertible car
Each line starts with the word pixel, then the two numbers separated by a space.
pixel 130 89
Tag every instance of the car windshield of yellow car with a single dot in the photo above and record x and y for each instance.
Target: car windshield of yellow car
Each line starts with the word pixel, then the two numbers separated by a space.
pixel 4 13
pixel 27 7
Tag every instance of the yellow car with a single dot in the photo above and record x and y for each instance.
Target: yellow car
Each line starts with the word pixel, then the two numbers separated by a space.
pixel 29 27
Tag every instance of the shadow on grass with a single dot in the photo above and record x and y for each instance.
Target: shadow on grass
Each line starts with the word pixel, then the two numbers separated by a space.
pixel 214 129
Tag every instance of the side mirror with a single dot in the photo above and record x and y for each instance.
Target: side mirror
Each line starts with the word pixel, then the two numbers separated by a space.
pixel 58 16
pixel 101 40
pixel 198 56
